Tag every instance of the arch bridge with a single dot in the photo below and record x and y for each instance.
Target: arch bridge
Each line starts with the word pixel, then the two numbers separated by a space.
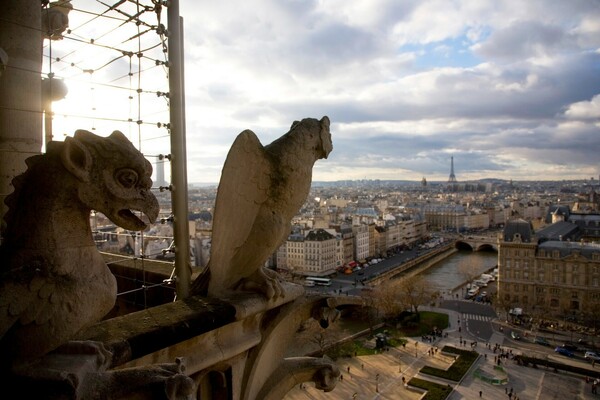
pixel 477 243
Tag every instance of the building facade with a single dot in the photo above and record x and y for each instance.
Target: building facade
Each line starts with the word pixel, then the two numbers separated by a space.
pixel 552 273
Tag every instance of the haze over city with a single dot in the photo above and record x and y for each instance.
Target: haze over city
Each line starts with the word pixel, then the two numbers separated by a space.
pixel 510 89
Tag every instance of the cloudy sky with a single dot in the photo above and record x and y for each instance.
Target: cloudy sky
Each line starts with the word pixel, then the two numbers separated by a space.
pixel 510 89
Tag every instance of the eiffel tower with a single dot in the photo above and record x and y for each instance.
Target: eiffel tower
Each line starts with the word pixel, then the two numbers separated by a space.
pixel 452 178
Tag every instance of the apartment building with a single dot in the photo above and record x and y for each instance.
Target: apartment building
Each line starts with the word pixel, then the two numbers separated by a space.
pixel 361 242
pixel 553 272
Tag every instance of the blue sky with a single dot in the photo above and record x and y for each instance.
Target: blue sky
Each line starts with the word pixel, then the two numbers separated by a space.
pixel 511 89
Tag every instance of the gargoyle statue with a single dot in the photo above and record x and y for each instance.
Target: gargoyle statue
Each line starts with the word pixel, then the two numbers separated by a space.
pixel 260 191
pixel 53 280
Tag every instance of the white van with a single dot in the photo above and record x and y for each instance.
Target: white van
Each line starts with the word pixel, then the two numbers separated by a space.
pixel 480 282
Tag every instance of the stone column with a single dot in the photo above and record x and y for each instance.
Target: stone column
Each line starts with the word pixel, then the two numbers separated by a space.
pixel 20 91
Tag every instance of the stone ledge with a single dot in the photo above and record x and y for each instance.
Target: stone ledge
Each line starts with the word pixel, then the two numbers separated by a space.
pixel 134 335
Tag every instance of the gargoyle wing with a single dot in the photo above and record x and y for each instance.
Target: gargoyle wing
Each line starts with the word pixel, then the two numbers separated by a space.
pixel 243 188
pixel 35 303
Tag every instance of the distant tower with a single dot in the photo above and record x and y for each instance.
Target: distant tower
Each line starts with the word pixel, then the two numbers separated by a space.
pixel 452 178
pixel 423 182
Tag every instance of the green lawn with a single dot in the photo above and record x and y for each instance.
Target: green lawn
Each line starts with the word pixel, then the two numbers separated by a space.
pixel 428 321
pixel 356 347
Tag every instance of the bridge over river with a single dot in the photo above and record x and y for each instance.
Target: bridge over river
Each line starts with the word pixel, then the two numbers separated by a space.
pixel 443 266
pixel 477 243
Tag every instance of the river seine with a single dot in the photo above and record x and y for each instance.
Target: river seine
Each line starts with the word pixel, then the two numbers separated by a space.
pixel 447 275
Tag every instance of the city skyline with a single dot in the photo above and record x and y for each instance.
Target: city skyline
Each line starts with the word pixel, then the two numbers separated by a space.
pixel 511 90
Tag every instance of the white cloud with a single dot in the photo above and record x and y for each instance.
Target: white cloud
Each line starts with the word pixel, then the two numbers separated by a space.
pixel 585 109
pixel 510 88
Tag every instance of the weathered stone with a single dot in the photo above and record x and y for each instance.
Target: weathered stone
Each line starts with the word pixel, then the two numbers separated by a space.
pixel 261 189
pixel 53 280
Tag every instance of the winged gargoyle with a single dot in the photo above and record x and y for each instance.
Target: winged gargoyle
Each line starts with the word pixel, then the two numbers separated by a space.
pixel 53 280
pixel 260 191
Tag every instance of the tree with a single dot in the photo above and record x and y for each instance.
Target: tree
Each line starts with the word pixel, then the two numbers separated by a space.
pixel 386 300
pixel 313 334
pixel 414 291
pixel 504 303
pixel 468 269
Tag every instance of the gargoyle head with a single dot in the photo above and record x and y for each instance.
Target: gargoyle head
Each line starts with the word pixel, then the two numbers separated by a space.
pixel 114 177
pixel 317 134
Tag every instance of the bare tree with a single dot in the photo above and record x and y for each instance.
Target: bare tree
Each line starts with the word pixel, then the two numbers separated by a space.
pixel 414 291
pixel 386 300
pixel 468 269
pixel 313 334
pixel 503 303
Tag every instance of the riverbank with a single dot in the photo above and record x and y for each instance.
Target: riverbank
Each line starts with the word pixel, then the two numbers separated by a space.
pixel 415 266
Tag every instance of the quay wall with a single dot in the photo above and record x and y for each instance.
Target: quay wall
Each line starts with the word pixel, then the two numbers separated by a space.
pixel 415 266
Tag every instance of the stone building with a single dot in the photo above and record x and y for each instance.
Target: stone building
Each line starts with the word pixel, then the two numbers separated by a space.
pixel 320 248
pixel 361 242
pixel 553 272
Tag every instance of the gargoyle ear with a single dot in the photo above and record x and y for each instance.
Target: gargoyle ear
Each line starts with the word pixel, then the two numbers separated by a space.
pixel 325 136
pixel 76 159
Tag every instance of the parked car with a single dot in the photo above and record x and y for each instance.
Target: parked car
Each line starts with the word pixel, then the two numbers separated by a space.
pixel 515 335
pixel 563 351
pixel 541 340
pixel 570 346
pixel 592 356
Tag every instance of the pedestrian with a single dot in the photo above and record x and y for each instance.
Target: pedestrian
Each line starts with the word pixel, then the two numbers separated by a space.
pixel 348 369
pixel 480 393
pixel 341 377
pixel 362 366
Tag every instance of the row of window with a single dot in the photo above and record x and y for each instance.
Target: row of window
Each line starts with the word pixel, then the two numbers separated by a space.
pixel 540 290
pixel 554 302
pixel 508 264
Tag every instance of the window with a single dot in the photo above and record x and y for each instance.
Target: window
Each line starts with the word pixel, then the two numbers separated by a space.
pixel 574 305
pixel 540 300
pixel 541 276
pixel 556 254
pixel 554 303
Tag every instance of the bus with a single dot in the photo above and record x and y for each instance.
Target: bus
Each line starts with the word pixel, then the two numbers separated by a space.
pixel 319 281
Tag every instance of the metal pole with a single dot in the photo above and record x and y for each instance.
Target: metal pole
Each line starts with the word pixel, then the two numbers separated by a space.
pixel 179 194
